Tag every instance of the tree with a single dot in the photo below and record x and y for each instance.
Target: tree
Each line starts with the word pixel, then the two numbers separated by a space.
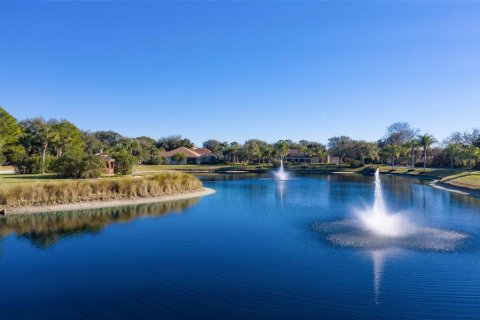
pixel 38 137
pixel 393 152
pixel 178 157
pixel 230 152
pixel 10 133
pixel 365 150
pixel 453 149
pixel 108 138
pixel 124 160
pixel 174 142
pixel 92 144
pixel 425 141
pixel 282 148
pixel 412 146
pixel 318 151
pixel 267 152
pixel 252 150
pixel 214 145
pixel 399 133
pixel 340 147
pixel 66 136
pixel 471 154
pixel 472 138
pixel 9 129
pixel 148 150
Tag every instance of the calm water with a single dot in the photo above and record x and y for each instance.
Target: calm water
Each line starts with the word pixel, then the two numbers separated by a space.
pixel 247 252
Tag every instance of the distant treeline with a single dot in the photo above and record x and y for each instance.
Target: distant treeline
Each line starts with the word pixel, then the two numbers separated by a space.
pixel 38 145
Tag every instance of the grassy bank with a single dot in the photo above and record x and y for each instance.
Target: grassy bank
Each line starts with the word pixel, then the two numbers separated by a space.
pixel 464 180
pixel 63 191
pixel 433 173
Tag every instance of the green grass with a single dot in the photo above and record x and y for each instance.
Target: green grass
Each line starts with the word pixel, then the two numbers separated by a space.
pixel 28 178
pixel 429 172
pixel 464 180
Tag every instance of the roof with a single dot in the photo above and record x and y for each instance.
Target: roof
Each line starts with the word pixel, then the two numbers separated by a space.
pixel 202 151
pixel 186 152
pixel 105 156
pixel 295 153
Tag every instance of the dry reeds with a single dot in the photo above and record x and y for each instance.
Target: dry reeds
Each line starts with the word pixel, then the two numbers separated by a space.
pixel 70 191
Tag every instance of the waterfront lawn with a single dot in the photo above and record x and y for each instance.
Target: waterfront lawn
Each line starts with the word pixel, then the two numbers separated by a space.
pixel 464 180
pixel 436 173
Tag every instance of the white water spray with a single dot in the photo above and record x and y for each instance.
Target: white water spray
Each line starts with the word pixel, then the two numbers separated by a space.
pixel 378 220
pixel 281 174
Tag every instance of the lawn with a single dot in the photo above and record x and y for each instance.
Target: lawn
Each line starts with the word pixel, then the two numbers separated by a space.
pixel 464 180
pixel 436 173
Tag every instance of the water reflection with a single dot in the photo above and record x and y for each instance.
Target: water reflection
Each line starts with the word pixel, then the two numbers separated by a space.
pixel 378 258
pixel 281 186
pixel 43 230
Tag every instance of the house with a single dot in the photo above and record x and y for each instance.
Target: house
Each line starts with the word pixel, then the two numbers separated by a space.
pixel 109 168
pixel 195 156
pixel 334 159
pixel 297 156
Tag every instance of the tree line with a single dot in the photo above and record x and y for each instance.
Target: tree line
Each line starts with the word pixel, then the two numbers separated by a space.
pixel 38 146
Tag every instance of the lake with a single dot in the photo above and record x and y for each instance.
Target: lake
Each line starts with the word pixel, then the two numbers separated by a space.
pixel 249 251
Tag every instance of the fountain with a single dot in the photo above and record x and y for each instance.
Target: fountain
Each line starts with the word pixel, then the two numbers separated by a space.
pixel 379 221
pixel 281 174
pixel 375 228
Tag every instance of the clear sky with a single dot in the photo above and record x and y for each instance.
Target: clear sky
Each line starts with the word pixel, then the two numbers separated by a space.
pixel 238 70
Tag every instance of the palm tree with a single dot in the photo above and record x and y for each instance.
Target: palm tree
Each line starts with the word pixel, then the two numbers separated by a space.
pixel 318 152
pixel 413 146
pixel 282 148
pixel 393 152
pixel 453 149
pixel 471 154
pixel 425 141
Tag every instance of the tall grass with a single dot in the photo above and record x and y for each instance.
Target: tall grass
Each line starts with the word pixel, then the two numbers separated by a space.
pixel 48 193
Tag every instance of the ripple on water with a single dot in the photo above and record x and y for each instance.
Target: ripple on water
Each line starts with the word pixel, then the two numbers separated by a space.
pixel 349 233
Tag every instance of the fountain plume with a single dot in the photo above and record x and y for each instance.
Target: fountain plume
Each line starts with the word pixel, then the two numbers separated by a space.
pixel 281 174
pixel 378 220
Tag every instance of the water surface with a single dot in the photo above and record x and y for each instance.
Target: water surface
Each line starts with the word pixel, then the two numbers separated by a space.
pixel 249 251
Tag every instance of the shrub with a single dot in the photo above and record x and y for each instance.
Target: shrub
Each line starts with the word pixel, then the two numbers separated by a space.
pixel 178 157
pixel 124 162
pixel 156 160
pixel 355 164
pixel 28 165
pixel 78 165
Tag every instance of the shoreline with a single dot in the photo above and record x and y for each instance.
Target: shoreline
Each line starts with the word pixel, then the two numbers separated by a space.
pixel 437 184
pixel 108 203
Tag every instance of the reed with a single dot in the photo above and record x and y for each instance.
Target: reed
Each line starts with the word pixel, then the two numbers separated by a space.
pixel 71 191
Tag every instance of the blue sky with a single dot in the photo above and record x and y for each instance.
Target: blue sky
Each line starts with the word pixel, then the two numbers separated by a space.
pixel 237 70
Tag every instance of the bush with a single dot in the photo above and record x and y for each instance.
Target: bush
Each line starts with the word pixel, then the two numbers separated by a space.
pixel 419 164
pixel 29 165
pixel 78 165
pixel 355 164
pixel 156 160
pixel 124 162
